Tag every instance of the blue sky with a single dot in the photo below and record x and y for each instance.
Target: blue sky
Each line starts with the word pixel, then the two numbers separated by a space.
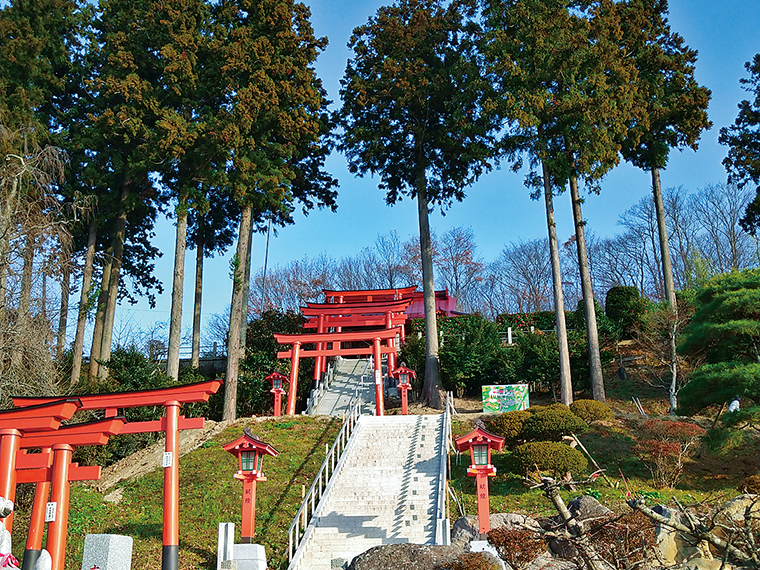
pixel 498 207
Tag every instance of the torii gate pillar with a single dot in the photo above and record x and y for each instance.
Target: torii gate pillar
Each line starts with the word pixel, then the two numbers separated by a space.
pixel 170 553
pixel 59 496
pixel 10 440
pixel 294 355
pixel 377 357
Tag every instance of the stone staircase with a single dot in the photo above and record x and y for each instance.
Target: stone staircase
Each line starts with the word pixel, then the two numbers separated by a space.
pixel 385 492
pixel 346 380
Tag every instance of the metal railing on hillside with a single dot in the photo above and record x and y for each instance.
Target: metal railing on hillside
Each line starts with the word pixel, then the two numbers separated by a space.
pixel 297 530
pixel 316 394
pixel 442 530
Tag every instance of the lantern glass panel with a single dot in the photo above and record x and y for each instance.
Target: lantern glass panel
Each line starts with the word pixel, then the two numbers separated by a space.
pixel 260 462
pixel 248 460
pixel 403 378
pixel 277 383
pixel 480 454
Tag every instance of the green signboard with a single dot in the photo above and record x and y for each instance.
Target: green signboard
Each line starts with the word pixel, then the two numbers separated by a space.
pixel 506 398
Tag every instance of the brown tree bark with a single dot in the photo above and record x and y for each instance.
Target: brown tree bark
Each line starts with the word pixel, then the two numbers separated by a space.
pixel 24 301
pixel 432 385
pixel 178 282
pixel 119 236
pixel 237 308
pixel 197 301
pixel 84 297
pixel 592 335
pixel 100 316
pixel 565 379
pixel 670 290
pixel 64 311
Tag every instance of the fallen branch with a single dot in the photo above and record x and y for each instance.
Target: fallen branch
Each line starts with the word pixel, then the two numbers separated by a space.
pixel 698 533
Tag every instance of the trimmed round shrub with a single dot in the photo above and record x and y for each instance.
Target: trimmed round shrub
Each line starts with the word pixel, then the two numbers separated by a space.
pixel 509 425
pixel 591 410
pixel 549 456
pixel 551 423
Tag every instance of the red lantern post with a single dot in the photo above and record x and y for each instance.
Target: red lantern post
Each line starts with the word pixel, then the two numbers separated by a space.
pixel 278 389
pixel 480 443
pixel 250 452
pixel 404 376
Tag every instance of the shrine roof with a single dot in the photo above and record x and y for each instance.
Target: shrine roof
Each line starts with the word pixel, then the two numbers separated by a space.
pixel 479 436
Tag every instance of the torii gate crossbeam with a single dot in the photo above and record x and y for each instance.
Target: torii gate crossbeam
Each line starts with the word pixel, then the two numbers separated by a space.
pixel 322 339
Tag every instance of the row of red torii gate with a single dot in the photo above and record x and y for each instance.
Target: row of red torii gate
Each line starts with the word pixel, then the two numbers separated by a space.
pixel 356 323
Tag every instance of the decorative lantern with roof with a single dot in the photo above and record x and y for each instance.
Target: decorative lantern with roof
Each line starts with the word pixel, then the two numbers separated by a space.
pixel 404 377
pixel 250 451
pixel 480 442
pixel 279 381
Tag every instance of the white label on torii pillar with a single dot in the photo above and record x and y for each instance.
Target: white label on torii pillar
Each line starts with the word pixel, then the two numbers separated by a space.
pixel 168 459
pixel 50 511
pixel 378 377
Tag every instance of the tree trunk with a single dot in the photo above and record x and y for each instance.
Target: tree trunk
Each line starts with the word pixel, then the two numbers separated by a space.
pixel 23 319
pixel 246 300
pixel 595 363
pixel 100 316
pixel 175 322
pixel 565 379
pixel 200 252
pixel 237 307
pixel 431 387
pixel 63 316
pixel 84 297
pixel 6 213
pixel 113 285
pixel 670 290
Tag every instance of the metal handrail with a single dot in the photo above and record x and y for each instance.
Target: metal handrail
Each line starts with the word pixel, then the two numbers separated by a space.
pixel 442 530
pixel 316 394
pixel 312 499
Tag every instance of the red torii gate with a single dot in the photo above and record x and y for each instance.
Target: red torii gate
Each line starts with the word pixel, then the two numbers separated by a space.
pixel 368 295
pixel 381 314
pixel 171 398
pixel 322 340
pixel 59 445
pixel 17 422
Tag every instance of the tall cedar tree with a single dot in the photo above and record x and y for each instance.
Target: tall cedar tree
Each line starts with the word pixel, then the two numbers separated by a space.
pixel 274 126
pixel 675 114
pixel 125 89
pixel 186 154
pixel 572 92
pixel 416 111
pixel 743 140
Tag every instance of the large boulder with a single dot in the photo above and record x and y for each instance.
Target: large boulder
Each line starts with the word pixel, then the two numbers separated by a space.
pixel 405 557
pixel 465 529
pixel 674 547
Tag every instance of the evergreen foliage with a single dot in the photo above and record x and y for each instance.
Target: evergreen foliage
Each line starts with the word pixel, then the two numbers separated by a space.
pixel 743 140
pixel 625 307
pixel 725 333
pixel 550 457
pixel 591 410
pixel 552 423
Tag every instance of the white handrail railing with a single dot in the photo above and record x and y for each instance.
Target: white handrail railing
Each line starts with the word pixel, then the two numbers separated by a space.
pixel 442 530
pixel 321 481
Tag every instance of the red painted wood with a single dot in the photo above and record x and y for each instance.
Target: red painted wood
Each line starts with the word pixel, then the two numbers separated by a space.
pixel 198 392
pixel 39 416
pixel 76 473
pixel 90 433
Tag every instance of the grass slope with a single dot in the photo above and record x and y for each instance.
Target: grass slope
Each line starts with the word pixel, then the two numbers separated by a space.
pixel 208 495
